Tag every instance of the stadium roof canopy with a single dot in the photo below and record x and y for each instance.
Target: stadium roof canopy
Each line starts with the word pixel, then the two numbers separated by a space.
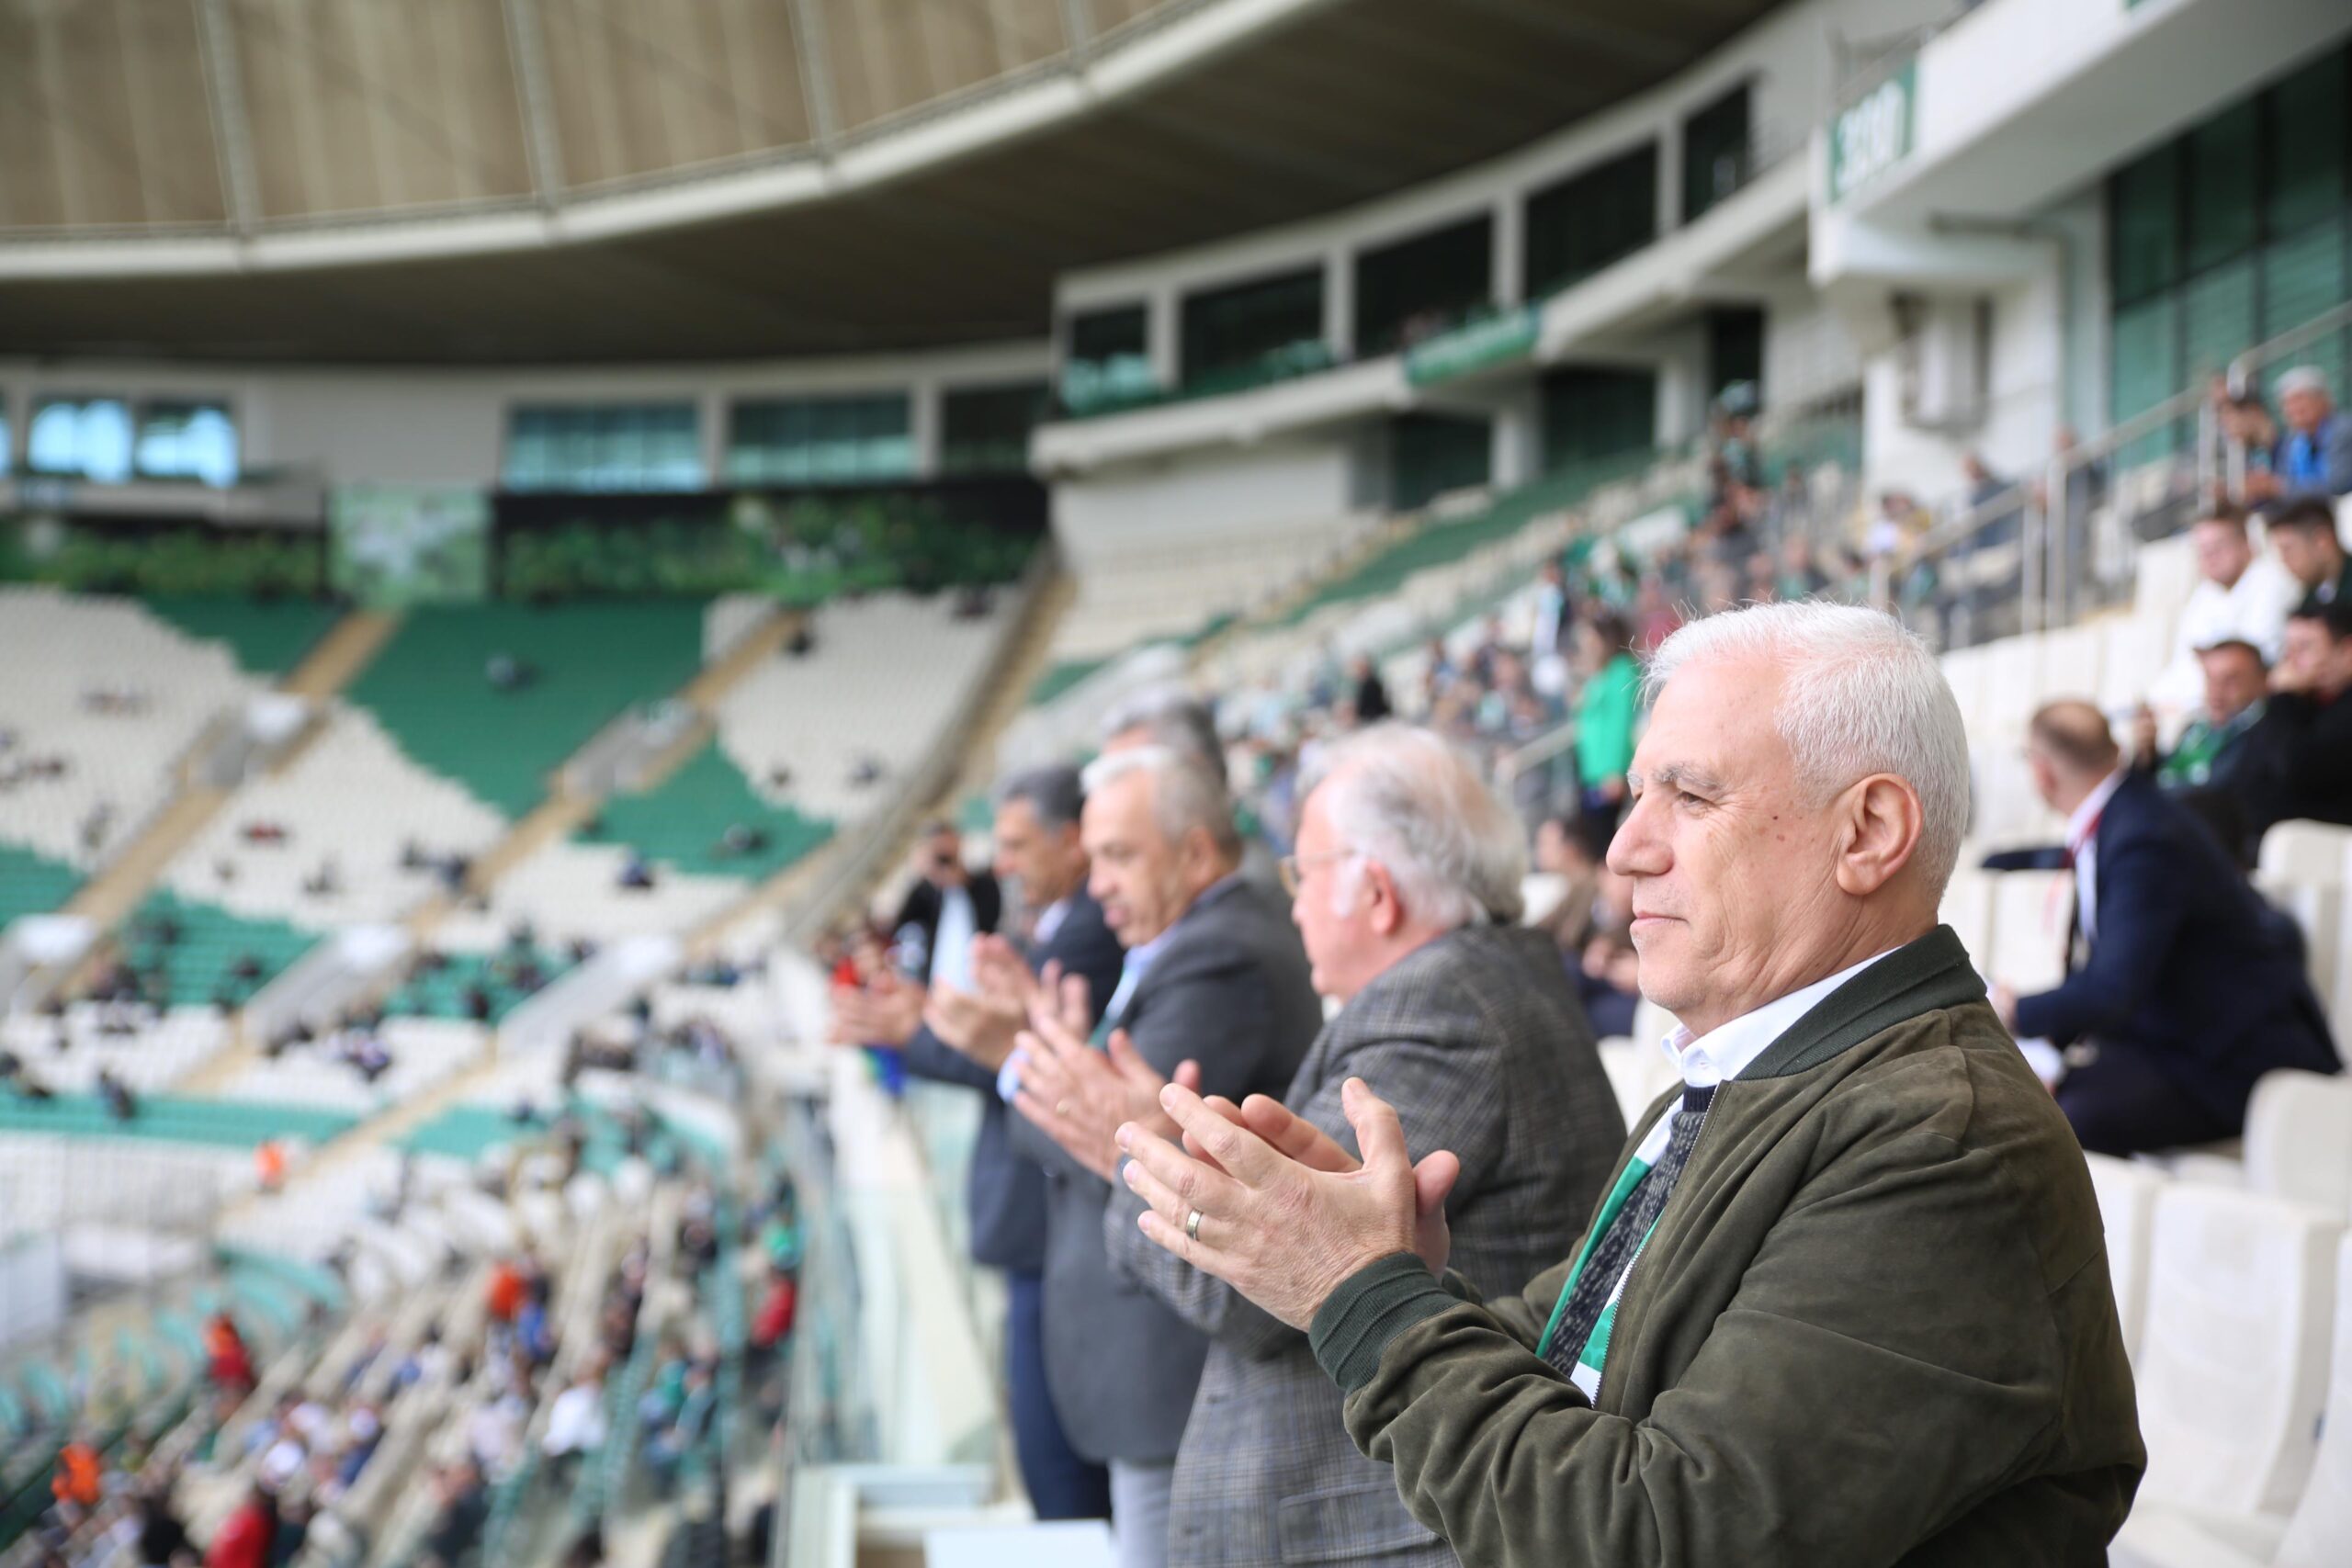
pixel 500 181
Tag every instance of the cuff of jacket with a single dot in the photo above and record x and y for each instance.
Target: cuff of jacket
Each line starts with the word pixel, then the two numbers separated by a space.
pixel 1370 1307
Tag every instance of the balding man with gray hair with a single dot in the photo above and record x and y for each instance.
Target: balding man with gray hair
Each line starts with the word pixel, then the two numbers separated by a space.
pixel 1846 1298
pixel 1214 973
pixel 1405 888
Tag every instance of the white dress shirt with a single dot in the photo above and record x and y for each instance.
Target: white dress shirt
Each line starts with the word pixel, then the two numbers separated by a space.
pixel 951 947
pixel 2253 609
pixel 2082 843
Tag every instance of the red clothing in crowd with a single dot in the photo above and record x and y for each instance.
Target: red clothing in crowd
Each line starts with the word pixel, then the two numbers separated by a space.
pixel 242 1541
pixel 773 1320
pixel 505 1292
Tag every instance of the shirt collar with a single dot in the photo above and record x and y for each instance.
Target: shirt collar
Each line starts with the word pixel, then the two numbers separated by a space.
pixel 1725 1052
pixel 2085 817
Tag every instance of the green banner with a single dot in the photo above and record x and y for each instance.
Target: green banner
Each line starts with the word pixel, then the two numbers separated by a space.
pixel 394 545
pixel 1875 133
pixel 1482 345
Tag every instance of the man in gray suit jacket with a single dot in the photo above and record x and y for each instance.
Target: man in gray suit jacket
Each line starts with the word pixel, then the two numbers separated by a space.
pixel 1214 973
pixel 1405 882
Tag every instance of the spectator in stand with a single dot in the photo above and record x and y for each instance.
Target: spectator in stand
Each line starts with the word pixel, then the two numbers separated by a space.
pixel 2182 985
pixel 1607 705
pixel 2303 532
pixel 1554 615
pixel 576 1425
pixel 245 1537
pixel 2239 594
pixel 507 1290
pixel 227 1361
pixel 2304 740
pixel 2247 424
pixel 948 906
pixel 1800 577
pixel 1214 973
pixel 2314 455
pixel 161 1536
pixel 963 1037
pixel 1371 692
pixel 79 1480
pixel 2219 752
pixel 461 1513
pixel 1406 889
pixel 1609 971
pixel 1562 852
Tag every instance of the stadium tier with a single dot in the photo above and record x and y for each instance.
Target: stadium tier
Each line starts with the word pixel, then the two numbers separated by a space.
pixel 659 665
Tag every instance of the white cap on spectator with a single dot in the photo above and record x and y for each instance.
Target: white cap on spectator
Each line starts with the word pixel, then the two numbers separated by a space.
pixel 2302 379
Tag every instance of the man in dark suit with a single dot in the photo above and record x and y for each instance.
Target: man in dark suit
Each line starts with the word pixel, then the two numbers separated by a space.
pixel 947 906
pixel 1405 888
pixel 2302 530
pixel 2303 744
pixel 1214 973
pixel 962 1037
pixel 2184 983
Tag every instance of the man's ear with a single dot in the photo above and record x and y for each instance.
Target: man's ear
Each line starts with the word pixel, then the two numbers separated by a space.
pixel 1882 827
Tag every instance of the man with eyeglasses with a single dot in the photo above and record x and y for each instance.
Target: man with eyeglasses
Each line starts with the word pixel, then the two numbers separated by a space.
pixel 1406 890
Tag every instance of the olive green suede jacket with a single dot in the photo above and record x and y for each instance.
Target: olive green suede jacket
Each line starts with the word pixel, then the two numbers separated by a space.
pixel 1873 1326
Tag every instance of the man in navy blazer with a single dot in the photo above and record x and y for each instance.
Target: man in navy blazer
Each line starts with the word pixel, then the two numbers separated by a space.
pixel 2183 983
pixel 956 1037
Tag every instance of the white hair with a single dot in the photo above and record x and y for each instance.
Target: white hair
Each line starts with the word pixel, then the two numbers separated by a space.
pixel 1859 695
pixel 1405 798
pixel 1184 794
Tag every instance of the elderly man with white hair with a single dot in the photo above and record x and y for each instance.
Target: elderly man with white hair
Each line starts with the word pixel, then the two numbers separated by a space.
pixel 1405 888
pixel 1845 1299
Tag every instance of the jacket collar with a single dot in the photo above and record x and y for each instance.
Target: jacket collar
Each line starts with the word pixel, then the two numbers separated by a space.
pixel 1921 977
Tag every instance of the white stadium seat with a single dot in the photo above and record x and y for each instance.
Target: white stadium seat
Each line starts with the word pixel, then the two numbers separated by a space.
pixel 2233 1365
pixel 2030 915
pixel 2299 1140
pixel 2164 1533
pixel 2127 1207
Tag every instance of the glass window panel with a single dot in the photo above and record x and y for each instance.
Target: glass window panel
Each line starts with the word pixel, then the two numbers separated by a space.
pixel 2221 180
pixel 1586 221
pixel 186 441
pixel 2217 319
pixel 1714 152
pixel 2143 215
pixel 1232 330
pixel 1431 454
pixel 986 429
pixel 1097 337
pixel 81 438
pixel 2144 370
pixel 2308 141
pixel 623 446
pixel 807 440
pixel 1591 412
pixel 1423 284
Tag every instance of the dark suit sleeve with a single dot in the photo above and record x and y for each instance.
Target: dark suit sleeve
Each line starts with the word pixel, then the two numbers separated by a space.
pixel 2311 762
pixel 988 901
pixel 929 1056
pixel 1428 1082
pixel 919 908
pixel 2139 920
pixel 2040 857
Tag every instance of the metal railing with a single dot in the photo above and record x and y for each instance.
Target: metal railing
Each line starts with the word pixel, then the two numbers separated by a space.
pixel 2074 541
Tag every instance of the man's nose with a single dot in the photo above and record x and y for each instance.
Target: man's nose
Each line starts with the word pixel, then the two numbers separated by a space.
pixel 1638 849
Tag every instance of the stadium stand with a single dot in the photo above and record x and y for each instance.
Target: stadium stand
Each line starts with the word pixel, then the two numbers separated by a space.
pixel 464 704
